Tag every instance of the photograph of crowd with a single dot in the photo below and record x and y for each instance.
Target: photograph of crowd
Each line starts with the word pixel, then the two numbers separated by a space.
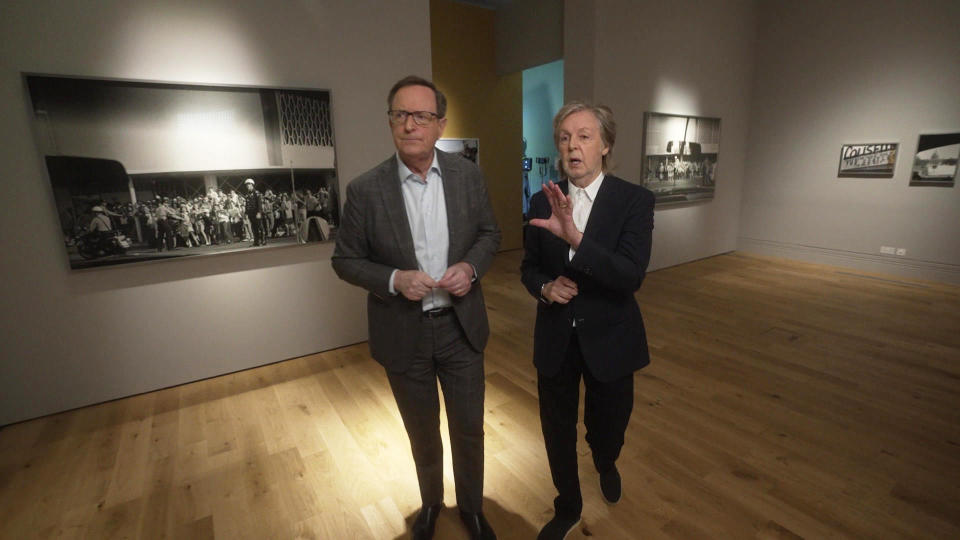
pixel 150 171
pixel 680 156
pixel 172 216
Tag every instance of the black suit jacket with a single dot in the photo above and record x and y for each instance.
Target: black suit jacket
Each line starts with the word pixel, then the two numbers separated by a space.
pixel 374 239
pixel 608 267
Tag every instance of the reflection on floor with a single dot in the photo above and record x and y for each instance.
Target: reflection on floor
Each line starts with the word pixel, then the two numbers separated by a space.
pixel 785 400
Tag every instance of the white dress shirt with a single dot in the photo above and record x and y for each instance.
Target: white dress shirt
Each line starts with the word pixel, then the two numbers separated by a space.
pixel 582 200
pixel 427 214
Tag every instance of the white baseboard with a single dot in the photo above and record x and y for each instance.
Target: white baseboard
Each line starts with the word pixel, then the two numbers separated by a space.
pixel 870 262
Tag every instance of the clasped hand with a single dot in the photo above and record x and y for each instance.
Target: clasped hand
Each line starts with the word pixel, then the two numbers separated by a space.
pixel 560 222
pixel 415 284
pixel 560 290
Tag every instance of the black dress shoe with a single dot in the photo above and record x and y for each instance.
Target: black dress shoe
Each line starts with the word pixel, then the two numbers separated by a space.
pixel 610 485
pixel 558 528
pixel 426 522
pixel 478 526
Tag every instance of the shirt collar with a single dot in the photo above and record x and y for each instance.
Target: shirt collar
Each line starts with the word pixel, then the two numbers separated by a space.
pixel 406 174
pixel 591 190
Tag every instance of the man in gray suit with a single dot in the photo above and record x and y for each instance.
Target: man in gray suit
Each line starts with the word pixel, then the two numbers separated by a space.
pixel 418 233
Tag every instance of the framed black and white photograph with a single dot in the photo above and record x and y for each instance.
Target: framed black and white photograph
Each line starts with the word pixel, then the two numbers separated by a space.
pixel 146 171
pixel 680 155
pixel 468 148
pixel 935 163
pixel 872 160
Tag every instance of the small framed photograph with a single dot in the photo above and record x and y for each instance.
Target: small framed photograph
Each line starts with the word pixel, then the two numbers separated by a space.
pixel 870 160
pixel 680 155
pixel 935 163
pixel 468 148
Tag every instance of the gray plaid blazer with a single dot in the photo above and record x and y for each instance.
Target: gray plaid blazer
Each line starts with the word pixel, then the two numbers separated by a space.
pixel 374 239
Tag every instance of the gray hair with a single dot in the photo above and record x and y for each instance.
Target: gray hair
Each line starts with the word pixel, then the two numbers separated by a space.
pixel 603 114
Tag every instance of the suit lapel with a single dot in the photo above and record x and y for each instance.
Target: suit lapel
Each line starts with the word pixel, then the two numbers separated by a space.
pixel 397 212
pixel 598 215
pixel 452 201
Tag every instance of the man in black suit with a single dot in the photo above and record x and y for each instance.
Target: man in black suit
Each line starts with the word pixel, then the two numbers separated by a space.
pixel 586 253
pixel 418 233
pixel 253 207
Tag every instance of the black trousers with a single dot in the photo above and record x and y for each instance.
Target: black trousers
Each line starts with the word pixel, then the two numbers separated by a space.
pixel 444 354
pixel 259 228
pixel 165 236
pixel 607 409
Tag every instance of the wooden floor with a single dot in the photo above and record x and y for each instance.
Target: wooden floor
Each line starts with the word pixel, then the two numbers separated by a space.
pixel 785 400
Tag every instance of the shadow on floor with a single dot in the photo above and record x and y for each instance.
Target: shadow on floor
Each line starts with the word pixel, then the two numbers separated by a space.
pixel 506 524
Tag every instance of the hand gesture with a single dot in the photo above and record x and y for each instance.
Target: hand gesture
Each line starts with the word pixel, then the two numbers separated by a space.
pixel 560 290
pixel 413 284
pixel 560 222
pixel 457 279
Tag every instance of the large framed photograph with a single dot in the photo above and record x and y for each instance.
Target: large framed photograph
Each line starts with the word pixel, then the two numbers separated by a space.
pixel 935 163
pixel 680 155
pixel 468 148
pixel 147 171
pixel 875 160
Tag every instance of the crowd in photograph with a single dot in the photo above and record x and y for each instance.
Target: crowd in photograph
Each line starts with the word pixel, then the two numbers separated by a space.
pixel 664 169
pixel 216 218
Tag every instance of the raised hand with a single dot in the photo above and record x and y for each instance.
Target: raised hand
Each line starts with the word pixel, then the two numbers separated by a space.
pixel 560 222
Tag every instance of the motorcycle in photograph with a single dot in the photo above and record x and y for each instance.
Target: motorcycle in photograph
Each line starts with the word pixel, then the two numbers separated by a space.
pixel 92 245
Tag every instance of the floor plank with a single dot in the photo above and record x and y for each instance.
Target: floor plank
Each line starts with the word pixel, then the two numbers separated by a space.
pixel 785 400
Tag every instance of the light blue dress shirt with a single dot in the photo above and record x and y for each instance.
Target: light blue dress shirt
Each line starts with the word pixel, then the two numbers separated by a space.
pixel 427 214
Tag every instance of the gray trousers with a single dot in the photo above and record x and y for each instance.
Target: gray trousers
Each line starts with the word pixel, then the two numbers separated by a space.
pixel 444 354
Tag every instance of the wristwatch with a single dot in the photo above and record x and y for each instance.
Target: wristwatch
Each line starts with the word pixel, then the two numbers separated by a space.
pixel 542 298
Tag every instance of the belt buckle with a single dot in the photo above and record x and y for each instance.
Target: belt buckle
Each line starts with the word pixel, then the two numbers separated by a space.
pixel 436 312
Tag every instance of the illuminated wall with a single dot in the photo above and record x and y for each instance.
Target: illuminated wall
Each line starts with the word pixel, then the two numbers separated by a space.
pixel 684 57
pixel 481 103
pixel 825 77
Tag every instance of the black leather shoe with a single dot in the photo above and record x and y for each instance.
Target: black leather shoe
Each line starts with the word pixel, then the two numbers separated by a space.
pixel 478 526
pixel 558 528
pixel 610 485
pixel 426 522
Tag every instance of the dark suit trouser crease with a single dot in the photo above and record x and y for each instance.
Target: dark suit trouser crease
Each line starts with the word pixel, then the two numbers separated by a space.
pixel 607 409
pixel 259 230
pixel 444 354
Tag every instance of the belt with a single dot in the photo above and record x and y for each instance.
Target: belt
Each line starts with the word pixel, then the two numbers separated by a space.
pixel 437 312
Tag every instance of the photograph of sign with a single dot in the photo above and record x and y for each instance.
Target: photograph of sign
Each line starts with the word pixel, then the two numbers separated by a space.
pixel 868 160
pixel 935 163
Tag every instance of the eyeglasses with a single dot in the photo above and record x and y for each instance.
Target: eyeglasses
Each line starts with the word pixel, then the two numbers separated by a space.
pixel 421 118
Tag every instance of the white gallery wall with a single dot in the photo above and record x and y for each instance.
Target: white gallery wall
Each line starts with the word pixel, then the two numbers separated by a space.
pixel 71 338
pixel 684 57
pixel 830 73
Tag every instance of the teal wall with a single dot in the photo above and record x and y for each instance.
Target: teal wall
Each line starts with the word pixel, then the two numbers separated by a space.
pixel 542 98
